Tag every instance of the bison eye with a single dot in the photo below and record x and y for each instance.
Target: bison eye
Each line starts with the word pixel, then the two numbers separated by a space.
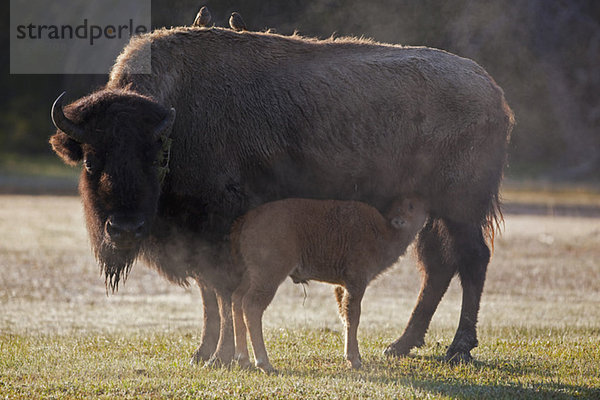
pixel 89 167
pixel 92 163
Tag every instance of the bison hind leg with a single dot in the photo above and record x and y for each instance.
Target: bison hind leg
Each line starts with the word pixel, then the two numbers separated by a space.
pixel 445 248
pixel 473 256
pixel 436 276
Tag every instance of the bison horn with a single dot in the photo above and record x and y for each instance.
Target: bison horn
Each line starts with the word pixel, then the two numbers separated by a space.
pixel 61 122
pixel 164 128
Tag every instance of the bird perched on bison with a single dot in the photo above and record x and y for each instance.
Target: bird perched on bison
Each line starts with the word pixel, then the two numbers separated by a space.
pixel 236 22
pixel 203 18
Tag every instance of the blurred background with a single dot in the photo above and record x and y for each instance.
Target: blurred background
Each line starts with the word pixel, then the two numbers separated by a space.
pixel 545 54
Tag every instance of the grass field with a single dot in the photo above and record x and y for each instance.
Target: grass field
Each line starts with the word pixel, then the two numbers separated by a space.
pixel 61 336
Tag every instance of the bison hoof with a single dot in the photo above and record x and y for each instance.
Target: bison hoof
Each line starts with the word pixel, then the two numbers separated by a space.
pixel 199 356
pixel 397 349
pixel 216 362
pixel 402 346
pixel 460 349
pixel 243 361
pixel 458 357
pixel 220 358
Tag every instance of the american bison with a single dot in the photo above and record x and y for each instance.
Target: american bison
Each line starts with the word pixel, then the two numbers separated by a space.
pixel 229 120
pixel 346 243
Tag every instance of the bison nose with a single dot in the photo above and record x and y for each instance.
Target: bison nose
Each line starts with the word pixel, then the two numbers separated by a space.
pixel 124 231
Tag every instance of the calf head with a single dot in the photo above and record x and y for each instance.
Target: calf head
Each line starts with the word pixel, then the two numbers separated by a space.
pixel 118 135
pixel 407 215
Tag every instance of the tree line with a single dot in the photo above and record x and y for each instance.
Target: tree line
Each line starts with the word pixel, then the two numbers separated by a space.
pixel 543 53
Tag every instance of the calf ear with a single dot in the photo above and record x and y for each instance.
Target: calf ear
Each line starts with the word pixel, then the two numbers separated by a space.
pixel 66 148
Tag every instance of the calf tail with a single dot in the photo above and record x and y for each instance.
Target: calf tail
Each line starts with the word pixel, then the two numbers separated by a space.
pixel 339 298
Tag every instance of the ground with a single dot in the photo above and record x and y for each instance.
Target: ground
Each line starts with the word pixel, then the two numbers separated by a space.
pixel 62 336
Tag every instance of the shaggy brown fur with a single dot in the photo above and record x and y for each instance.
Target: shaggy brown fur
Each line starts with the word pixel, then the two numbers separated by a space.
pixel 343 243
pixel 262 117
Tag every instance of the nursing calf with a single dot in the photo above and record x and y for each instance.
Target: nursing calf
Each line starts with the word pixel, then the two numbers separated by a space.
pixel 346 243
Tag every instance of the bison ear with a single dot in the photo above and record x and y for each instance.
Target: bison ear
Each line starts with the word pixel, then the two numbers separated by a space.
pixel 66 148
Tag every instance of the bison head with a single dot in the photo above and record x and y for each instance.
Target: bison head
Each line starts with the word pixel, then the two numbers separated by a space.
pixel 119 137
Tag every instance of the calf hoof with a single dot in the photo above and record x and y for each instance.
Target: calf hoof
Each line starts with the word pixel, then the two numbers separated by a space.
pixel 243 361
pixel 200 355
pixel 217 362
pixel 221 358
pixel 213 362
pixel 355 363
pixel 266 367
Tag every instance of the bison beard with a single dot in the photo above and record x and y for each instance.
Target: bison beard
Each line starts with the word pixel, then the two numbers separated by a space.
pixel 115 264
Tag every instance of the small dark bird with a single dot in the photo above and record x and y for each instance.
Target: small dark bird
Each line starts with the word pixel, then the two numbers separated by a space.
pixel 236 22
pixel 203 17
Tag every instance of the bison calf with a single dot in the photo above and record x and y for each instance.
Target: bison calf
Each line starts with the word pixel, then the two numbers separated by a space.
pixel 346 243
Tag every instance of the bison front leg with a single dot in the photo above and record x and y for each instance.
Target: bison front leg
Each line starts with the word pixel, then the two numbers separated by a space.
pixel 211 325
pixel 438 271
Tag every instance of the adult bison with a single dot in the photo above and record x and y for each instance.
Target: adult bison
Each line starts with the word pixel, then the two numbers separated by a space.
pixel 262 117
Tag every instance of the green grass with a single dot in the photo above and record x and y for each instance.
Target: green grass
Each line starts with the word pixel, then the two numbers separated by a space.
pixel 62 337
pixel 510 364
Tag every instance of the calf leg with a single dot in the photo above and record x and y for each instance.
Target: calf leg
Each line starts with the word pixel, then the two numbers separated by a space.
pixel 351 304
pixel 225 277
pixel 211 325
pixel 437 270
pixel 239 326
pixel 255 302
pixel 224 353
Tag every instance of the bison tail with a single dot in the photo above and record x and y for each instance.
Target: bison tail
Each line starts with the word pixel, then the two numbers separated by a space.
pixel 494 221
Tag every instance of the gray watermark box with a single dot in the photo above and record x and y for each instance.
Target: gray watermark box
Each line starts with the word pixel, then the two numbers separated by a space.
pixel 75 36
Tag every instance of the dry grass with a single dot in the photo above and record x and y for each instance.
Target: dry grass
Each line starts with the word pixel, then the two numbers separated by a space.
pixel 61 336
